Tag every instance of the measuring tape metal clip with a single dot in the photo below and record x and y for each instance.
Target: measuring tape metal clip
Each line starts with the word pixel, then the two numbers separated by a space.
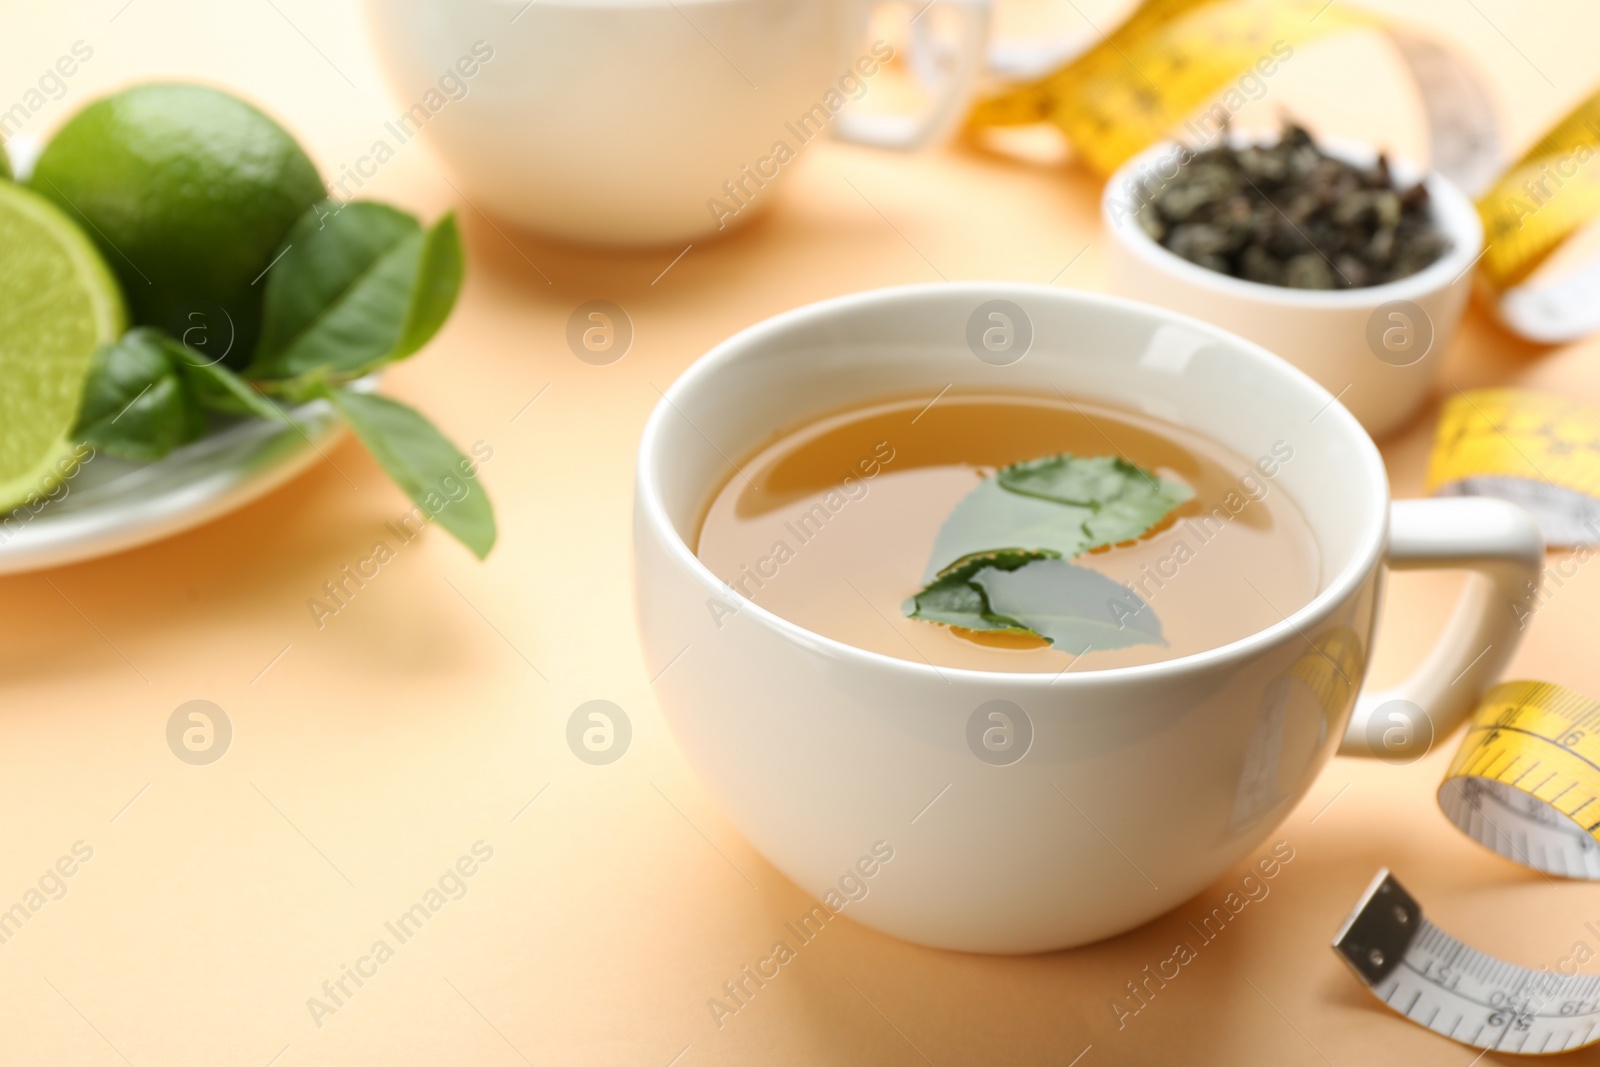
pixel 1456 991
pixel 1525 784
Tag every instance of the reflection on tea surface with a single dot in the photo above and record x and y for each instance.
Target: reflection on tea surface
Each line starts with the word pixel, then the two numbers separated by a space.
pixel 1077 535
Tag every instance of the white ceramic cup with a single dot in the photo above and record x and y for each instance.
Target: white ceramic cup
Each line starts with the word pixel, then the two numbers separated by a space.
pixel 1378 348
pixel 628 122
pixel 1140 785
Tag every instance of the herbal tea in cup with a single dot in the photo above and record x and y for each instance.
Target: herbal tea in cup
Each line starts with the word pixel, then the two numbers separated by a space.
pixel 1163 547
pixel 1013 533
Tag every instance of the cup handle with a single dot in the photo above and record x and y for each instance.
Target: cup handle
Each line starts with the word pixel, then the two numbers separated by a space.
pixel 948 69
pixel 1502 544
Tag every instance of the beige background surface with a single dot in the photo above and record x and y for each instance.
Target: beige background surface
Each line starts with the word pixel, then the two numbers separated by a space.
pixel 368 755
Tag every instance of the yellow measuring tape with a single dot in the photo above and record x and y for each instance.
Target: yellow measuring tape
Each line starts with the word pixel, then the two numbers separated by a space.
pixel 1155 69
pixel 1538 450
pixel 1169 57
pixel 1543 198
pixel 1526 781
pixel 1546 197
pixel 1543 452
pixel 1526 784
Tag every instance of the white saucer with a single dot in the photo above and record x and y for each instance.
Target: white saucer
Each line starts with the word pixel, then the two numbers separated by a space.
pixel 113 504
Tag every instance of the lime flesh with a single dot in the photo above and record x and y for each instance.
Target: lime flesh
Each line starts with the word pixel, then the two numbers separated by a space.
pixel 58 303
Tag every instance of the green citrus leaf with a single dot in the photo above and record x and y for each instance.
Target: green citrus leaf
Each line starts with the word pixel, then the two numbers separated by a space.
pixel 437 285
pixel 423 463
pixel 356 287
pixel 220 389
pixel 137 403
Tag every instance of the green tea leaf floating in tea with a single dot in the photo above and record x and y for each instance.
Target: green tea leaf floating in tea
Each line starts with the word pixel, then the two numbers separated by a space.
pixel 1061 504
pixel 1074 608
pixel 835 532
pixel 1011 539
pixel 1088 482
pixel 1127 500
pixel 954 600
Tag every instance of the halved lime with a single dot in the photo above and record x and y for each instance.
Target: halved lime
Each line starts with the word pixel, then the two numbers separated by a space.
pixel 58 303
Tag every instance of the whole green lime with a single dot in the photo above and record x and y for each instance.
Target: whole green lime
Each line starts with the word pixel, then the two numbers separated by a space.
pixel 188 192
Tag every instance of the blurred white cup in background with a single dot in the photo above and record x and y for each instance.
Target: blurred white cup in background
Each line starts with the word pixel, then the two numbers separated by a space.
pixel 652 122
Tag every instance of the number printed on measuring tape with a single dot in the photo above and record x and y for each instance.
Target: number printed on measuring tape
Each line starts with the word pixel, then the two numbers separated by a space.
pixel 1531 210
pixel 1538 450
pixel 1456 991
pixel 1525 784
pixel 1526 781
pixel 1170 56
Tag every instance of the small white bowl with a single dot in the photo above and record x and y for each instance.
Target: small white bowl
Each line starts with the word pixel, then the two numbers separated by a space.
pixel 1378 349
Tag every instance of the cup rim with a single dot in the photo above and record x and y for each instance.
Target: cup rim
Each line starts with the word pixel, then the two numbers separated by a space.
pixel 699 375
pixel 1454 212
